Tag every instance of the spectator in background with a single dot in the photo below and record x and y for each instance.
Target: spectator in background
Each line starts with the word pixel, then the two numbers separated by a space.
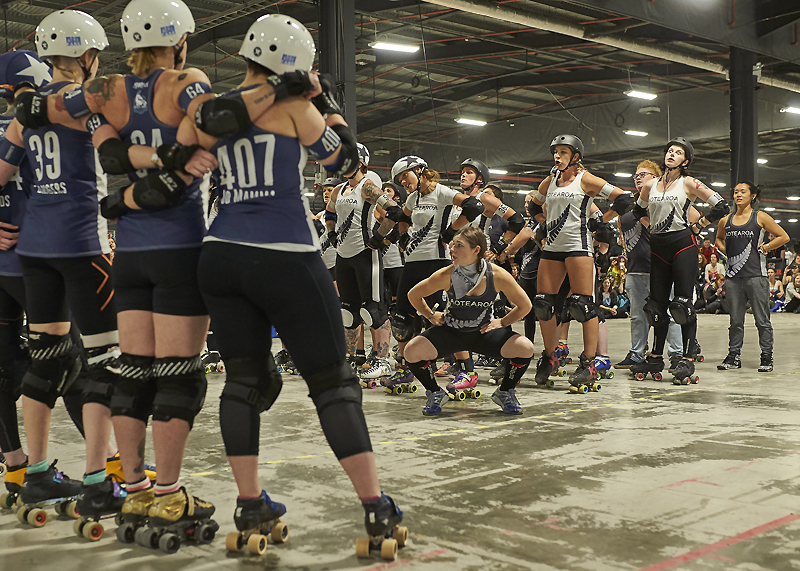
pixel 607 300
pixel 776 258
pixel 113 243
pixel 713 269
pixel 793 295
pixel 617 272
pixel 624 309
pixel 715 296
pixel 776 292
pixel 708 249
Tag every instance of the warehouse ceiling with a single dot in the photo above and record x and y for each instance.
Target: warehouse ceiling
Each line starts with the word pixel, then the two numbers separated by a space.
pixel 529 84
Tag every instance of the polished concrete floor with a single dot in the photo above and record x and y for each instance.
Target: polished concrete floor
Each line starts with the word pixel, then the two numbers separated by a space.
pixel 642 475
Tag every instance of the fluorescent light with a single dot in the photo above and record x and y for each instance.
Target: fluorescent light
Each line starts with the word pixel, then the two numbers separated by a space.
pixel 308 194
pixel 761 161
pixel 523 191
pixel 769 209
pixel 792 220
pixel 497 171
pixel 718 184
pixel 623 174
pixel 395 47
pixel 791 110
pixel 777 221
pixel 711 229
pixel 702 204
pixel 641 95
pixel 475 122
pixel 636 133
pixel 793 198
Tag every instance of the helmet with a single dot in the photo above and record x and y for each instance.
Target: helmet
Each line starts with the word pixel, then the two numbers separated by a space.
pixel 155 23
pixel 479 166
pixel 363 154
pixel 69 33
pixel 279 43
pixel 330 181
pixel 684 144
pixel 570 141
pixel 20 66
pixel 406 163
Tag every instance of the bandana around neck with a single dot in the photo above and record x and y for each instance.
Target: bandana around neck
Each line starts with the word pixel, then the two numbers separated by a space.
pixel 465 278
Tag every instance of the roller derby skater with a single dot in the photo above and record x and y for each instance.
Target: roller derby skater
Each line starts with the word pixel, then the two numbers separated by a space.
pixel 241 256
pixel 256 520
pixel 468 323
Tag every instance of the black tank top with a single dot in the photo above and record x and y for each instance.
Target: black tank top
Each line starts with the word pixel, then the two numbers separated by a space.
pixel 531 254
pixel 637 243
pixel 741 244
pixel 471 312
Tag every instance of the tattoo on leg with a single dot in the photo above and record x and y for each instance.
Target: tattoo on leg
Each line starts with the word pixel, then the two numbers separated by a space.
pixel 139 470
pixel 351 338
pixel 383 350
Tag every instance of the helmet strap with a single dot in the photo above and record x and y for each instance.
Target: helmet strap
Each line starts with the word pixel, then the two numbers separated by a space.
pixel 87 71
pixel 178 49
pixel 569 165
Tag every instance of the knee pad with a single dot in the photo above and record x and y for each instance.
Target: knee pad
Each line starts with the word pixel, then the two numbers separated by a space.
pixel 544 306
pixel 254 382
pixel 342 419
pixel 581 307
pixel 136 388
pixel 330 378
pixel 351 316
pixel 682 310
pixel 55 364
pixel 655 312
pixel 180 388
pixel 372 315
pixel 350 392
pixel 103 374
pixel 402 327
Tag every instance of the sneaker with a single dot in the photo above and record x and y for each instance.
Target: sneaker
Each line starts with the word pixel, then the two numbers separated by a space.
pixel 499 371
pixel 507 400
pixel 436 400
pixel 626 362
pixel 381 368
pixel 731 362
pixel 766 363
pixel 482 361
pixel 442 371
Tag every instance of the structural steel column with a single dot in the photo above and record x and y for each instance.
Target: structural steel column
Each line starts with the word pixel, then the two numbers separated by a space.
pixel 744 117
pixel 337 51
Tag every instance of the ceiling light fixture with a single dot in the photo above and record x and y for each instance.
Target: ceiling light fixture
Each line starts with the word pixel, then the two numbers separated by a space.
pixel 793 198
pixel 308 194
pixel 794 110
pixel 636 133
pixel 769 209
pixel 623 174
pixel 641 94
pixel 475 122
pixel 720 184
pixel 792 220
pixel 497 171
pixel 761 161
pixel 523 191
pixel 394 47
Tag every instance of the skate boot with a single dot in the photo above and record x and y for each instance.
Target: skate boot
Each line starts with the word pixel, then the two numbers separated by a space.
pixel 463 386
pixel 212 362
pixel 603 365
pixel 114 470
pixel 175 518
pixel 507 400
pixel 401 381
pixel 498 372
pixel 133 514
pixel 651 366
pixel 547 364
pixel 282 356
pixel 626 363
pixel 381 369
pixel 288 367
pixel 3 466
pixel 381 518
pixel 764 367
pixel 370 361
pixel 96 502
pixel 13 479
pixel 584 378
pixel 673 362
pixel 684 373
pixel 436 400
pixel 563 354
pixel 694 351
pixel 256 519
pixel 48 488
pixel 730 362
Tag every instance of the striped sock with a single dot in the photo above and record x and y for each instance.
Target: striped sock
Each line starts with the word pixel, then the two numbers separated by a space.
pixel 164 489
pixel 142 484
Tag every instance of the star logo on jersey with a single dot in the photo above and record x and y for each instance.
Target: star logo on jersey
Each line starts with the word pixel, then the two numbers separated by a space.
pixel 36 70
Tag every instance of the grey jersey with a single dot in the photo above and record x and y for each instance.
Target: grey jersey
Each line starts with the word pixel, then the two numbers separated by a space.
pixel 567 212
pixel 741 244
pixel 668 211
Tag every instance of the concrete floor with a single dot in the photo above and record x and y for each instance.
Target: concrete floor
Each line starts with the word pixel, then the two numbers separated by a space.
pixel 642 475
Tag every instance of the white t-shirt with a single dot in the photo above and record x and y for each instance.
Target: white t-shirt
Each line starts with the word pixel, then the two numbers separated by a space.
pixel 430 216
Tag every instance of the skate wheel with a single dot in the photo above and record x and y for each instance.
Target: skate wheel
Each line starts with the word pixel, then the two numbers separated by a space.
pixel 461 395
pixel 37 517
pixel 550 383
pixel 412 389
pixel 5 501
pixel 125 533
pixel 658 376
pixel 362 547
pixel 696 379
pixel 398 390
pixel 205 533
pixel 146 537
pixel 699 358
pixel 93 531
pixel 562 373
pixel 389 549
pixel 610 374
pixel 596 387
pixel 280 532
pixel 640 377
pixel 208 369
pixel 22 515
pixel 169 543
pixel 476 394
pixel 221 368
pixel 233 541
pixel 77 527
pixel 257 544
pixel 400 535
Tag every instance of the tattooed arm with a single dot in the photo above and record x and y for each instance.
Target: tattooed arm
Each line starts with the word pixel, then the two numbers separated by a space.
pixel 375 195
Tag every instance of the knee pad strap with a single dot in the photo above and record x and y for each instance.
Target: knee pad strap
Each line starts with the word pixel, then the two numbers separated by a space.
pixel 55 364
pixel 330 378
pixel 136 388
pixel 655 312
pixel 180 388
pixel 347 392
pixel 254 382
pixel 103 374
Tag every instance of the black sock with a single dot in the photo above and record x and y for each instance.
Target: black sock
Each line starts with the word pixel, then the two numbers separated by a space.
pixel 515 368
pixel 422 371
pixel 466 365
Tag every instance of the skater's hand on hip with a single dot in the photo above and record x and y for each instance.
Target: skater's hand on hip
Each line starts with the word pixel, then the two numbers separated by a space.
pixel 437 318
pixel 9 234
pixel 492 325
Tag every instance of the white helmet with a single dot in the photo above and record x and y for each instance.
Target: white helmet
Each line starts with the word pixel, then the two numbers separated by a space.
pixel 155 23
pixel 406 163
pixel 69 33
pixel 279 43
pixel 363 154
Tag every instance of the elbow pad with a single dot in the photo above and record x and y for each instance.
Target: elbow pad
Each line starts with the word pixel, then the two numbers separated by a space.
pixel 158 190
pixel 622 203
pixel 324 102
pixel 223 116
pixel 471 208
pixel 31 110
pixel 516 223
pixel 114 158
pixel 113 206
pixel 330 216
pixel 719 210
pixel 534 209
pixel 394 213
pixel 348 153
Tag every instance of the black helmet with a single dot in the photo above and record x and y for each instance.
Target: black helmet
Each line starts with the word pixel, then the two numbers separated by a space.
pixel 570 141
pixel 330 181
pixel 399 191
pixel 684 144
pixel 479 166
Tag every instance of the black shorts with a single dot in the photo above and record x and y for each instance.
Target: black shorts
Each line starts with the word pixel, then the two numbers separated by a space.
pixel 12 298
pixel 333 272
pixel 392 278
pixel 249 290
pixel 160 281
pixel 448 340
pixel 562 256
pixel 56 288
pixel 360 278
pixel 413 273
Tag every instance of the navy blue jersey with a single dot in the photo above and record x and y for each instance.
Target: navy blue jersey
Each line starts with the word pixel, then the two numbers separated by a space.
pixel 62 219
pixel 181 226
pixel 13 201
pixel 261 192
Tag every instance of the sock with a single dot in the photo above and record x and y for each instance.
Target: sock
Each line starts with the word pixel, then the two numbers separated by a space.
pixel 38 467
pixel 142 484
pixel 164 489
pixel 562 341
pixel 360 353
pixel 422 370
pixel 515 368
pixel 249 498
pixel 94 477
pixel 466 365
pixel 369 500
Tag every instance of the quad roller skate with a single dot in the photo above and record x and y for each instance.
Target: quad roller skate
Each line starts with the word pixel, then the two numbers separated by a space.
pixel 482 362
pixel 212 362
pixel 98 501
pixel 436 400
pixel 684 373
pixel 14 477
pixel 497 374
pixel 544 368
pixel 603 366
pixel 288 367
pixel 370 361
pixel 507 400
pixel 401 381
pixel 695 351
pixel 133 514
pixel 673 362
pixel 48 488
pixel 381 369
pixel 650 366
pixel 175 518
pixel 563 354
pixel 256 520
pixel 584 378
pixel 385 535
pixel 463 386
pixel 114 470
pixel 626 363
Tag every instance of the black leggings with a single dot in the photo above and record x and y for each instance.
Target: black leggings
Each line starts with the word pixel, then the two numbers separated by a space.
pixel 529 287
pixel 413 273
pixel 673 260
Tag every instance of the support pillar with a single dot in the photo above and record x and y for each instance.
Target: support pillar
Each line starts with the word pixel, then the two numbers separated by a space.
pixel 337 51
pixel 743 117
